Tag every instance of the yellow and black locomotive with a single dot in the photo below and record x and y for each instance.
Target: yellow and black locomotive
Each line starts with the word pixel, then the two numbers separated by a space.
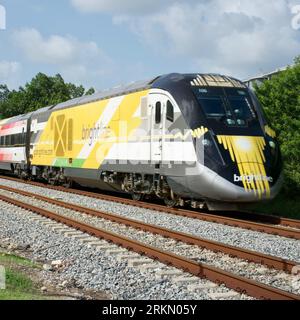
pixel 200 139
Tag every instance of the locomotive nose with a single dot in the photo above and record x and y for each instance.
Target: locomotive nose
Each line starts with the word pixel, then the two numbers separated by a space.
pixel 208 184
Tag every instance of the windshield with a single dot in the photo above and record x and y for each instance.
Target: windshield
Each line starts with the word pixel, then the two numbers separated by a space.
pixel 213 106
pixel 229 105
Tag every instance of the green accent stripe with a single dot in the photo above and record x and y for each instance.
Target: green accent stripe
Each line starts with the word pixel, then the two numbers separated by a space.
pixel 64 163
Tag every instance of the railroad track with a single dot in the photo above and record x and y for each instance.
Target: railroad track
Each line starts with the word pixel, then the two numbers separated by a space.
pixel 233 281
pixel 272 225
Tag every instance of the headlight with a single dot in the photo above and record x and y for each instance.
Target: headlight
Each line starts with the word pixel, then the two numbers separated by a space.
pixel 206 143
pixel 272 144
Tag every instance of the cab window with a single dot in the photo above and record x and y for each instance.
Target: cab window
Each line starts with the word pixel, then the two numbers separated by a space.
pixel 158 112
pixel 170 111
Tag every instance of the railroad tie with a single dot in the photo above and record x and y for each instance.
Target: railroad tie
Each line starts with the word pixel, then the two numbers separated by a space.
pixel 166 273
pixel 202 286
pixel 185 280
pixel 110 252
pixel 223 295
pixel 122 257
pixel 137 262
pixel 151 266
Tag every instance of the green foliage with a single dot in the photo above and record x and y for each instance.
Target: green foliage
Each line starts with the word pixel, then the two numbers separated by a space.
pixel 18 285
pixel 3 92
pixel 42 91
pixel 283 205
pixel 90 91
pixel 280 98
pixel 17 280
pixel 6 258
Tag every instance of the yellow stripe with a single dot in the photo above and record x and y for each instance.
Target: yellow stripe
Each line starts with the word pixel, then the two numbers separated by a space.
pixel 270 132
pixel 126 110
pixel 248 154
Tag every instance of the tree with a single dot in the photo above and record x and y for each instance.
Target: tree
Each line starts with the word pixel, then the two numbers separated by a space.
pixel 280 98
pixel 90 91
pixel 3 92
pixel 74 91
pixel 42 91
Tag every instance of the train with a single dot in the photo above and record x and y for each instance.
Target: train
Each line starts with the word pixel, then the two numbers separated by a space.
pixel 199 140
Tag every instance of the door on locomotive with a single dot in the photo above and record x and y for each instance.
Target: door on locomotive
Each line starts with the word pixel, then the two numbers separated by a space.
pixel 158 105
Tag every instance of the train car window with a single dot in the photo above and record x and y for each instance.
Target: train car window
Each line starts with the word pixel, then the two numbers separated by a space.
pixel 212 102
pixel 213 106
pixel 158 112
pixel 2 141
pixel 23 137
pixel 241 108
pixel 228 105
pixel 20 139
pixel 170 111
pixel 8 140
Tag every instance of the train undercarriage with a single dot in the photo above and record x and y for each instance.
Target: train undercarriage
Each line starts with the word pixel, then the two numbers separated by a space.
pixel 139 186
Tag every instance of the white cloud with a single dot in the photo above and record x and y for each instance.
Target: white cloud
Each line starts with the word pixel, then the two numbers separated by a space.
pixel 78 61
pixel 120 6
pixel 9 73
pixel 54 49
pixel 236 37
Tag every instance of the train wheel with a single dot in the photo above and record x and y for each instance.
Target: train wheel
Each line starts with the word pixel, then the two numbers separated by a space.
pixel 68 184
pixel 137 196
pixel 170 203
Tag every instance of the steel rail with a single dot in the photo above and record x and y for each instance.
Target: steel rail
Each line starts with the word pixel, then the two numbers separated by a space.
pixel 252 256
pixel 208 217
pixel 232 281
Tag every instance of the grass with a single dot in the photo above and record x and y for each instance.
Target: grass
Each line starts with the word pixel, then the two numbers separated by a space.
pixel 281 206
pixel 13 259
pixel 18 285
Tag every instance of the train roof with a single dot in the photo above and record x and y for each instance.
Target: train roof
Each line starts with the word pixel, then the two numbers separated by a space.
pixel 18 118
pixel 198 79
pixel 161 82
pixel 157 82
pixel 107 94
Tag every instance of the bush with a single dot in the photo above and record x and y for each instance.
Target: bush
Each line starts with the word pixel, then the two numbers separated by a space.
pixel 280 98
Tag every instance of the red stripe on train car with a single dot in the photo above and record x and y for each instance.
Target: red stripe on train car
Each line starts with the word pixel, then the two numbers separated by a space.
pixel 12 125
pixel 5 157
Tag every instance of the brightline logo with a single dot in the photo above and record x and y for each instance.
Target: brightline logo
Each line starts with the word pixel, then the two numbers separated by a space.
pixel 252 178
pixel 2 278
pixel 2 18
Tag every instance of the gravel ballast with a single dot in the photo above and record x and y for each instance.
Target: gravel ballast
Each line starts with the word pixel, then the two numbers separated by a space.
pixel 265 243
pixel 253 271
pixel 91 268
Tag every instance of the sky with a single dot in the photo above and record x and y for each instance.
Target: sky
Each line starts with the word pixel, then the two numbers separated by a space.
pixel 105 43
